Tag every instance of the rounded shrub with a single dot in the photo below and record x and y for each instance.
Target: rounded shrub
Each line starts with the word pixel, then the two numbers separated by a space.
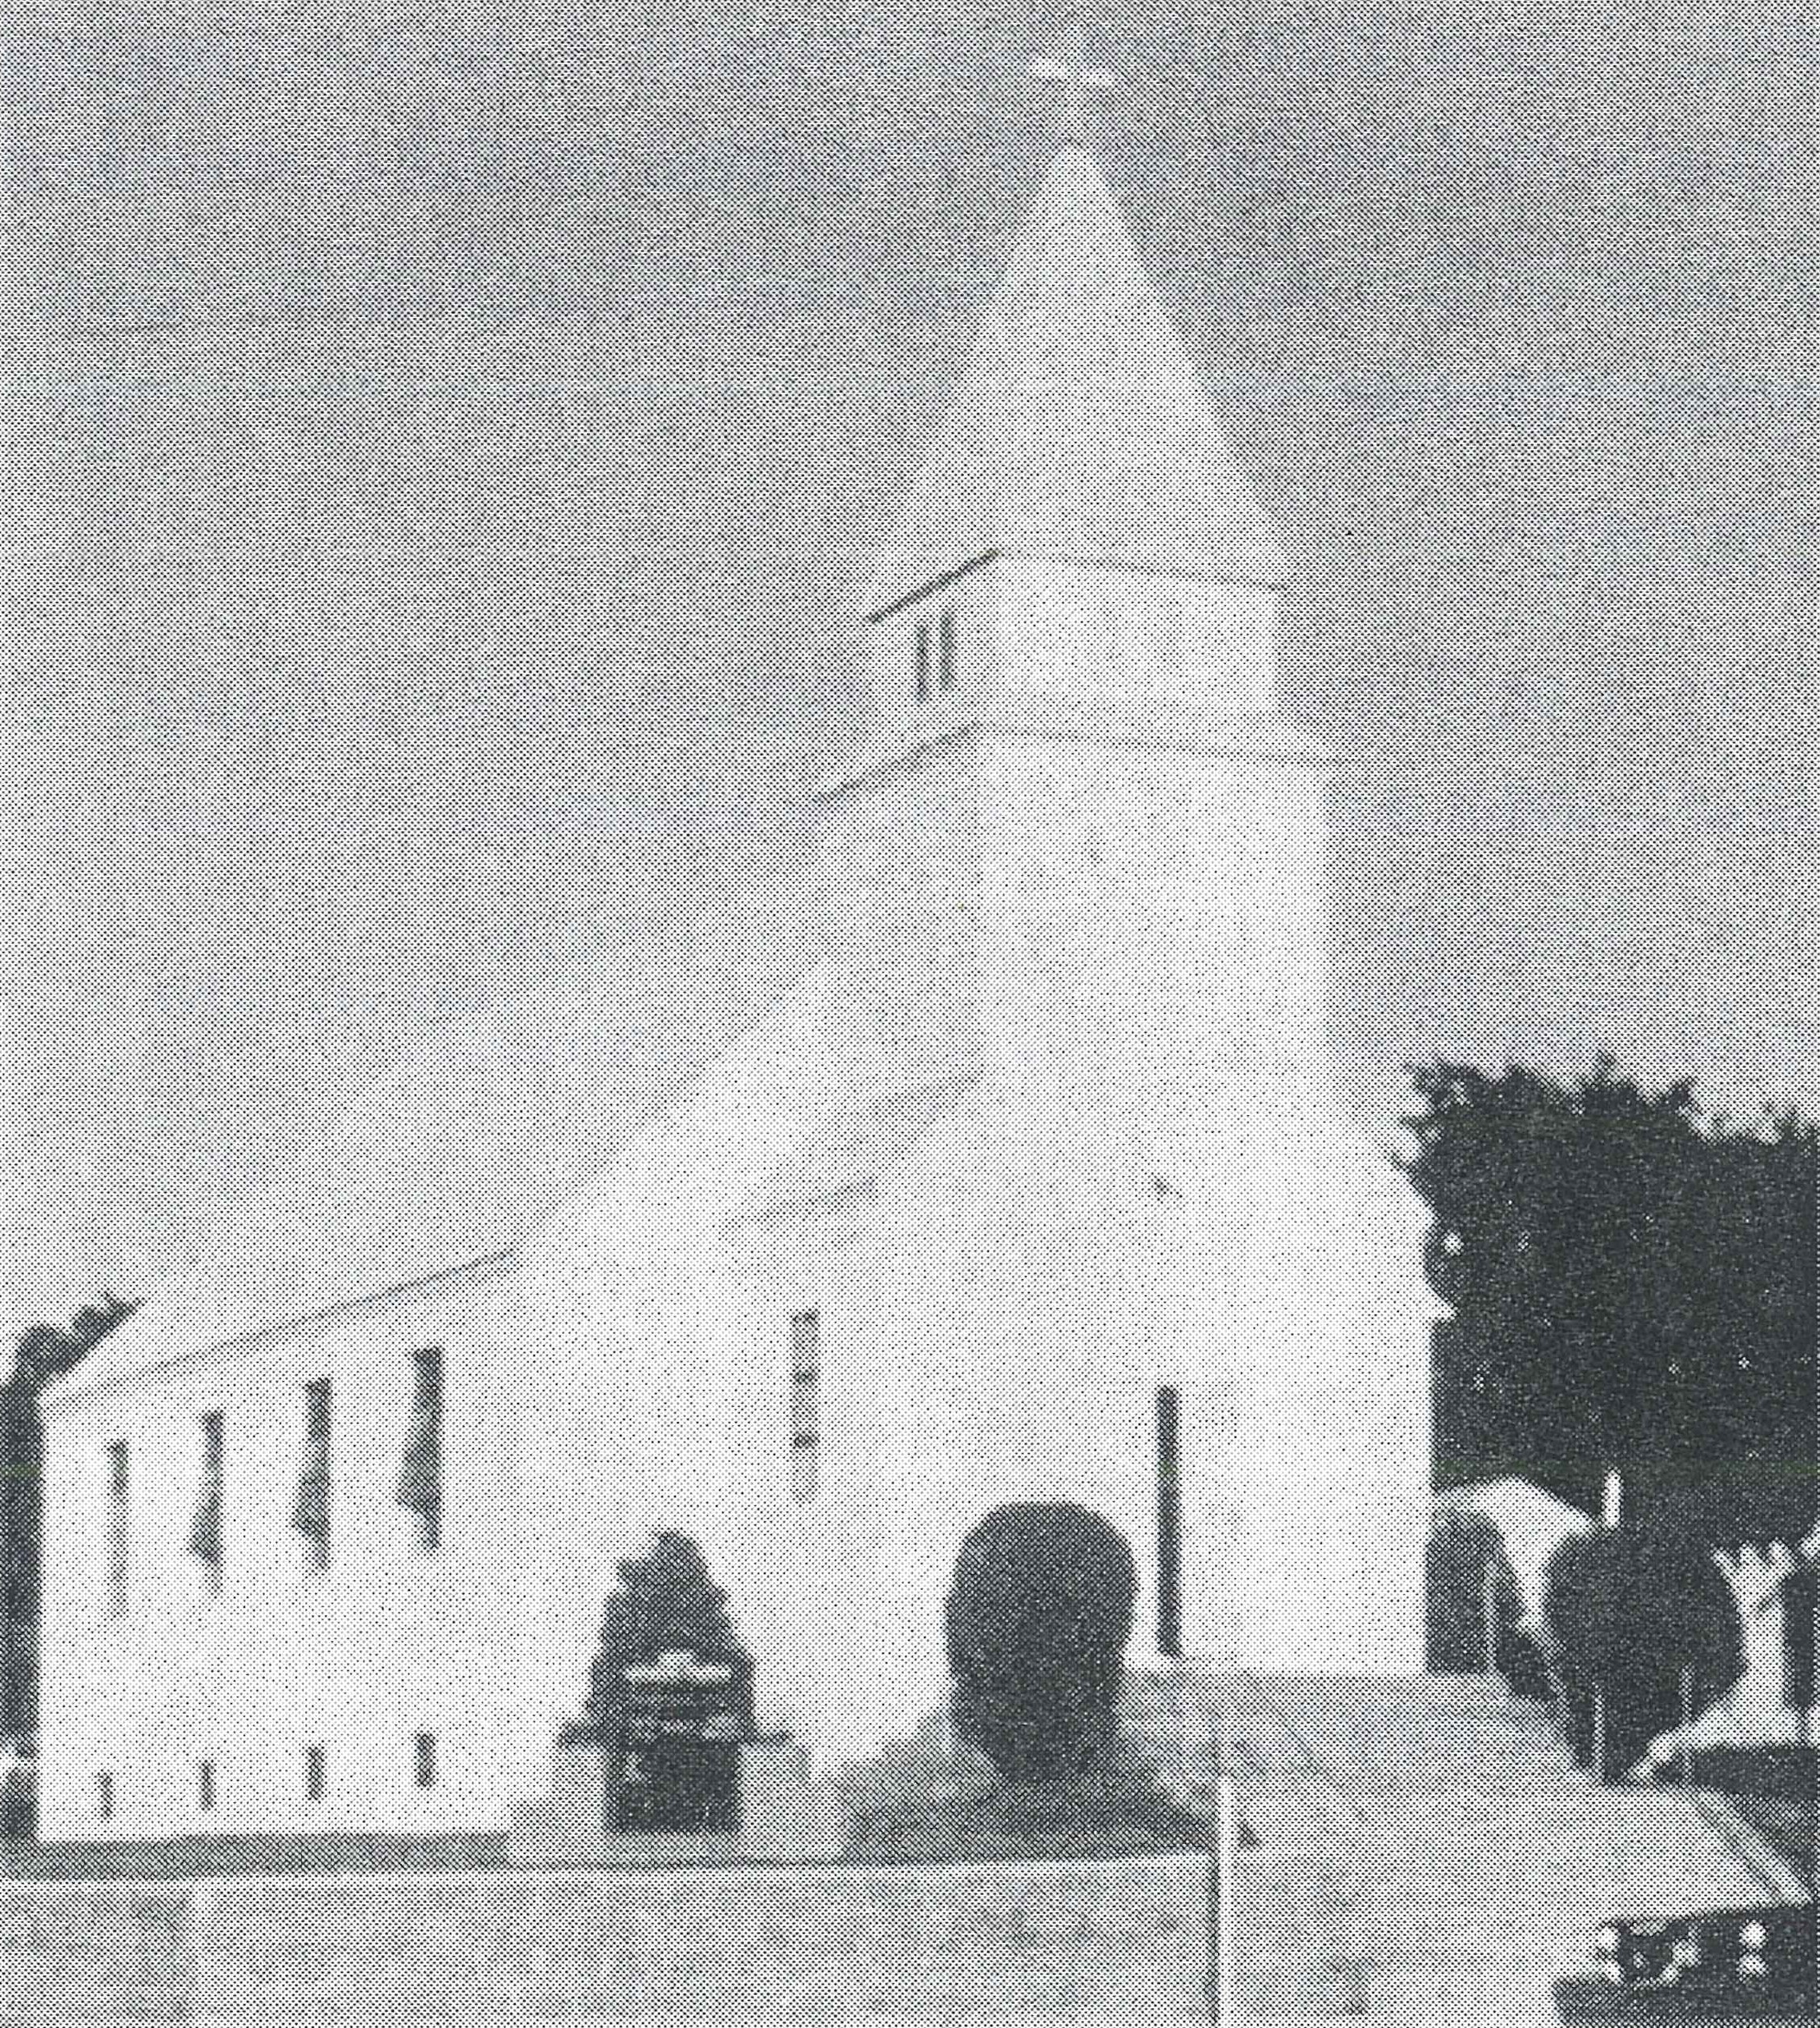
pixel 1629 1609
pixel 1039 1614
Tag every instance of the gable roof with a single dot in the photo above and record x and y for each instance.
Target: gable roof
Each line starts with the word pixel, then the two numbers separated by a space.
pixel 1080 431
pixel 443 1163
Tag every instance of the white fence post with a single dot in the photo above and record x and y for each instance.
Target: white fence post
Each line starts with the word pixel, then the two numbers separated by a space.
pixel 1225 1846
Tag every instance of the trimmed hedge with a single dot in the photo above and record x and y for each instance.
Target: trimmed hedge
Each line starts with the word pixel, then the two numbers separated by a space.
pixel 1039 1615
pixel 1629 1609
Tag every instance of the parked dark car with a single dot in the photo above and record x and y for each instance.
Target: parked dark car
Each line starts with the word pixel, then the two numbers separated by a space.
pixel 1755 1958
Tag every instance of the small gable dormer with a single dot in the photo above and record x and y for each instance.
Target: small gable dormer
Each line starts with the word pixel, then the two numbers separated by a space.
pixel 932 656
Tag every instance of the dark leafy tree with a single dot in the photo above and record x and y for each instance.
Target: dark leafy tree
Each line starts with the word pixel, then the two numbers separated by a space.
pixel 43 1354
pixel 1465 1551
pixel 666 1601
pixel 1629 1609
pixel 1039 1615
pixel 1633 1285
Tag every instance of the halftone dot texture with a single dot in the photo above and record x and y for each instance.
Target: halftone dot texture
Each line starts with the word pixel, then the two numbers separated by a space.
pixel 1413 1851
pixel 447 450
pixel 451 452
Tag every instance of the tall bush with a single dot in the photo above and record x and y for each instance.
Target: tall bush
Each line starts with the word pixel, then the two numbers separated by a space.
pixel 43 1354
pixel 665 1601
pixel 1630 1610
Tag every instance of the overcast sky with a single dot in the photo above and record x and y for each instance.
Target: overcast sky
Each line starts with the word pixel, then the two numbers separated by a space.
pixel 443 445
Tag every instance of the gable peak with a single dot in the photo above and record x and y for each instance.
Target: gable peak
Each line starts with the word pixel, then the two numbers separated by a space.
pixel 1079 433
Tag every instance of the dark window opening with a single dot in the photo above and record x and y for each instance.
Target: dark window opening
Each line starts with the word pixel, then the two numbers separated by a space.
pixel 419 1472
pixel 425 1751
pixel 205 1529
pixel 310 1514
pixel 316 1774
pixel 205 1784
pixel 104 1797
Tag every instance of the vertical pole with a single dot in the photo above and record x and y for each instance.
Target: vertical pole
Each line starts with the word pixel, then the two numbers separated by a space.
pixel 1169 1570
pixel 1169 1523
pixel 1611 1516
pixel 1225 1845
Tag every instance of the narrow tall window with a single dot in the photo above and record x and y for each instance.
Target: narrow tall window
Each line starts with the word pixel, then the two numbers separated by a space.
pixel 419 1471
pixel 205 1785
pixel 945 673
pixel 805 1404
pixel 309 1515
pixel 922 658
pixel 1168 1521
pixel 316 1774
pixel 104 1797
pixel 117 1519
pixel 205 1530
pixel 425 1757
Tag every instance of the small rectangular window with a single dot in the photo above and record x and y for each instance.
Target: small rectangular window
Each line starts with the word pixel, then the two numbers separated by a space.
pixel 316 1774
pixel 922 658
pixel 116 1527
pixel 104 1797
pixel 425 1757
pixel 946 673
pixel 205 1784
pixel 805 1404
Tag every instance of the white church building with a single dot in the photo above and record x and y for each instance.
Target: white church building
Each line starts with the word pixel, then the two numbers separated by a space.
pixel 1042 1147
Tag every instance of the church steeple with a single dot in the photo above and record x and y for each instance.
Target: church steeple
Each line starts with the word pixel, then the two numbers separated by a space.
pixel 1080 546
pixel 1080 850
pixel 1080 434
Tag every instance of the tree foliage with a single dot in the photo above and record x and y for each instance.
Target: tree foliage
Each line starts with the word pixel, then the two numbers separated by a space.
pixel 1629 1609
pixel 1633 1284
pixel 1039 1615
pixel 43 1354
pixel 665 1601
